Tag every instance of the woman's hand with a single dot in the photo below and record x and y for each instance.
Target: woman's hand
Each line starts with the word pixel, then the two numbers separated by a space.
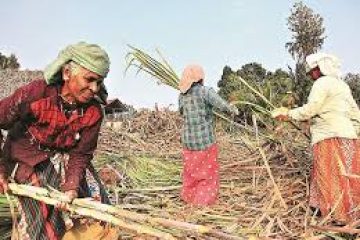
pixel 69 197
pixel 280 114
pixel 4 187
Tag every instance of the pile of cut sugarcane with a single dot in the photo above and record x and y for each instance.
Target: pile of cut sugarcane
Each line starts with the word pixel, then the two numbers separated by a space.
pixel 263 190
pixel 10 80
pixel 147 132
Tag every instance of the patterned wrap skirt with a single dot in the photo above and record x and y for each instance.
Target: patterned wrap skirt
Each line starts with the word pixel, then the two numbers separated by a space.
pixel 335 178
pixel 200 176
pixel 41 221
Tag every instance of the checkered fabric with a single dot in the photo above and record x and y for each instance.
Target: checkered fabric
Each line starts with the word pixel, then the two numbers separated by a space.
pixel 196 107
pixel 54 129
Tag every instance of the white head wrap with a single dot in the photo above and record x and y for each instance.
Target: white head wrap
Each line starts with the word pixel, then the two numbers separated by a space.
pixel 329 65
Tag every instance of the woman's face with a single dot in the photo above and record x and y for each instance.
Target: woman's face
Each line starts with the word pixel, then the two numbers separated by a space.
pixel 315 73
pixel 80 84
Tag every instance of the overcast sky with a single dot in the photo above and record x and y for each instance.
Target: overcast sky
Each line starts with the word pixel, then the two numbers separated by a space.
pixel 212 33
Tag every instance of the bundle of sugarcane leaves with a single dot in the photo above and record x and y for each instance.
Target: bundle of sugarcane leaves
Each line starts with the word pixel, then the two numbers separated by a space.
pixel 142 224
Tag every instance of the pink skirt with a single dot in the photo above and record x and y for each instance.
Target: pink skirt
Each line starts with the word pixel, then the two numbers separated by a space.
pixel 200 176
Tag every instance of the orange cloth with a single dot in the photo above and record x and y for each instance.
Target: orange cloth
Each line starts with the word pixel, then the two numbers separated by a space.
pixel 94 231
pixel 190 75
pixel 333 181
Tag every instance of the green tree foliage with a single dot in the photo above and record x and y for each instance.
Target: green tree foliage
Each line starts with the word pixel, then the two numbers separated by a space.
pixel 302 83
pixel 308 32
pixel 307 37
pixel 253 72
pixel 229 83
pixel 10 62
pixel 354 82
pixel 275 86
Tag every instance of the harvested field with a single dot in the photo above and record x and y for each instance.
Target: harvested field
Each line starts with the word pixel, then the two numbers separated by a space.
pixel 264 180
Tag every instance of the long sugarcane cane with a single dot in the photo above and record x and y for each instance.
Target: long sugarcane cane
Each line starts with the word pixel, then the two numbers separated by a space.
pixel 55 198
pixel 199 229
pixel 123 218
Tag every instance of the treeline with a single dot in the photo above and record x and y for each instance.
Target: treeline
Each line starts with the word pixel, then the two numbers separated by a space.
pixel 279 87
pixel 291 87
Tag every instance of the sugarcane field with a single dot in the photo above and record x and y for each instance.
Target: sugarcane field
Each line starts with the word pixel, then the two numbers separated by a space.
pixel 179 120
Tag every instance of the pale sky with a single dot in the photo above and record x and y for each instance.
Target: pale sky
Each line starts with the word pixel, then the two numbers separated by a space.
pixel 211 33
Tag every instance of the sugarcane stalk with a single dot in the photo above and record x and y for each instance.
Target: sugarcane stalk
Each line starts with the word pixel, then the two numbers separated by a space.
pixel 276 188
pixel 43 195
pixel 161 71
pixel 155 189
pixel 164 67
pixel 128 225
pixel 200 229
pixel 120 217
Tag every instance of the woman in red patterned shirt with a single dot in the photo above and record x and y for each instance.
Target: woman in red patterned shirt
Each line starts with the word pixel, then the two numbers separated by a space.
pixel 56 115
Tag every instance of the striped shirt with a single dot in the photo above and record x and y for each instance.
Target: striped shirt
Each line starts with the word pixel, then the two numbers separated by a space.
pixel 196 107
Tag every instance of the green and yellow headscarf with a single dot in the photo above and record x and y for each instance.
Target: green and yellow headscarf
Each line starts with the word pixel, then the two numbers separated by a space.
pixel 89 56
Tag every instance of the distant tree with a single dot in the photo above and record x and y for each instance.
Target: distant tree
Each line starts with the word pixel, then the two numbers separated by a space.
pixel 302 83
pixel 307 38
pixel 279 87
pixel 354 83
pixel 224 83
pixel 308 32
pixel 10 62
pixel 228 84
